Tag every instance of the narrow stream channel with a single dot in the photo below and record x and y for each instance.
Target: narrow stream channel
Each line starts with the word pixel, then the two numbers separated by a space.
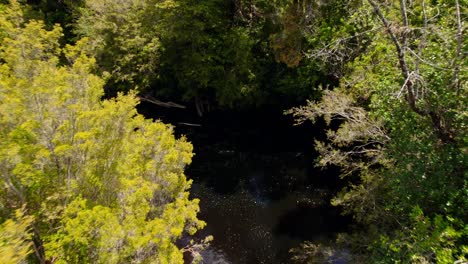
pixel 259 191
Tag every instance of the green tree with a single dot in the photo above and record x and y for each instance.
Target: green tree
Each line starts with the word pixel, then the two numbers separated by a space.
pixel 102 183
pixel 125 39
pixel 206 56
pixel 239 54
pixel 401 138
pixel 213 53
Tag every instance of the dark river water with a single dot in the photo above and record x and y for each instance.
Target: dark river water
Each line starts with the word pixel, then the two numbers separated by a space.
pixel 259 191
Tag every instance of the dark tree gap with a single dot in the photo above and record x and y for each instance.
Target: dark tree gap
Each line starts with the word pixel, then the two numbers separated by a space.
pixel 254 173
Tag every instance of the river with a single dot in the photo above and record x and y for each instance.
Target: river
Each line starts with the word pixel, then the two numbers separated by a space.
pixel 259 191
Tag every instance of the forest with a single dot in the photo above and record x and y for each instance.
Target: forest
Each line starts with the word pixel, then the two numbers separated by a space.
pixel 233 131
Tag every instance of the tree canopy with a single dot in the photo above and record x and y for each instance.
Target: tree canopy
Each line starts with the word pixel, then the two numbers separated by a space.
pixel 84 178
pixel 94 181
pixel 401 141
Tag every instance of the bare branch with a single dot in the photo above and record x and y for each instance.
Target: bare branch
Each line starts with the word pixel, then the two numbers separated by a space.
pixel 424 36
pixel 401 55
pixel 427 62
pixel 189 124
pixel 404 15
pixel 456 80
pixel 160 103
pixel 334 45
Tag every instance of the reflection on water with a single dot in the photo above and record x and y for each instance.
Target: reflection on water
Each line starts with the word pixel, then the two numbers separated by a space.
pixel 253 172
pixel 213 256
pixel 252 229
pixel 259 192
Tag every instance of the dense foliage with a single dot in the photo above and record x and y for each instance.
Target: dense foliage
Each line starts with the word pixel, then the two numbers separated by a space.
pixel 87 181
pixel 211 54
pixel 401 141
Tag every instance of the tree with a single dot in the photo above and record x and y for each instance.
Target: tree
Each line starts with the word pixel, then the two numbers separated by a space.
pixel 206 57
pixel 213 53
pixel 15 239
pixel 149 43
pixel 125 39
pixel 102 183
pixel 401 137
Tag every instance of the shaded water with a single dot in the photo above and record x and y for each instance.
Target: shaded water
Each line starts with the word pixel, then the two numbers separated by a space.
pixel 259 192
pixel 271 208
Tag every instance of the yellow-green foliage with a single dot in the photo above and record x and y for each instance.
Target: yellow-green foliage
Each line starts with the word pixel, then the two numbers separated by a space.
pixel 15 239
pixel 105 185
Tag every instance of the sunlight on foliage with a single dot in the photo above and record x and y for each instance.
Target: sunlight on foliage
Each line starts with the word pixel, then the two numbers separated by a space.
pixel 103 183
pixel 15 239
